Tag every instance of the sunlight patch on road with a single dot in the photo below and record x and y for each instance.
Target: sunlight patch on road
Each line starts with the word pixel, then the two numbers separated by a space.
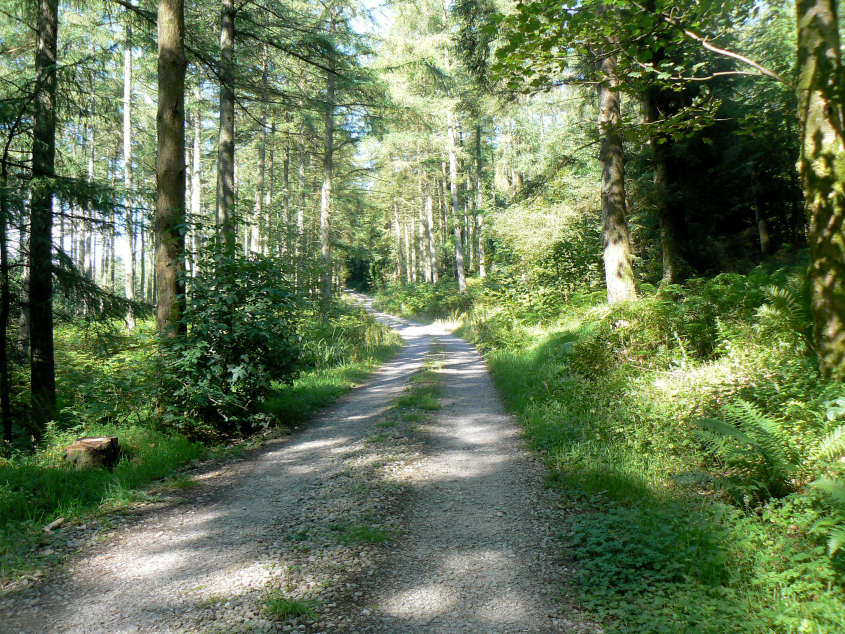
pixel 435 598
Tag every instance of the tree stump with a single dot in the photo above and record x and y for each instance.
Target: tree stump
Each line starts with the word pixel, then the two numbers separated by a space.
pixel 93 451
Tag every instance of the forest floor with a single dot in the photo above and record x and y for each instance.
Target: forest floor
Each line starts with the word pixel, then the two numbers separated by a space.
pixel 410 505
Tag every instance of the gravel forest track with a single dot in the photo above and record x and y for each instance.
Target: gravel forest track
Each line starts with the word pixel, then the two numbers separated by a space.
pixel 473 545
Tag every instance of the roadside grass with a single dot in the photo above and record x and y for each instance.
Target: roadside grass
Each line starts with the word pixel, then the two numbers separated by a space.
pixel 672 529
pixel 37 489
pixel 280 606
pixel 311 391
pixel 105 387
pixel 338 355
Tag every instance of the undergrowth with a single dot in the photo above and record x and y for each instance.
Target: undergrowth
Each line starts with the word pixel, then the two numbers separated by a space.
pixel 106 385
pixel 693 438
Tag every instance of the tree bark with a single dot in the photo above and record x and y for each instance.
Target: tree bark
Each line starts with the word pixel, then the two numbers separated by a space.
pixel 196 173
pixel 326 191
pixel 127 173
pixel 460 272
pixel 619 274
pixel 431 249
pixel 479 222
pixel 822 168
pixel 170 170
pixel 5 299
pixel 42 365
pixel 226 139
pixel 300 214
pixel 675 266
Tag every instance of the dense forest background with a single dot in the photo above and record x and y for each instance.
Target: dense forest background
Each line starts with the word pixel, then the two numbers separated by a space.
pixel 634 208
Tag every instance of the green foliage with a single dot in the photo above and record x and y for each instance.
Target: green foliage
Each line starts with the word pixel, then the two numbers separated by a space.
pixel 754 449
pixel 104 375
pixel 35 489
pixel 241 337
pixel 280 606
pixel 610 398
pixel 833 525
pixel 424 301
pixel 361 534
pixel 339 350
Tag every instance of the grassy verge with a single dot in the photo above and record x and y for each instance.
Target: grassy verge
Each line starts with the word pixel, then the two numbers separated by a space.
pixel 105 387
pixel 674 527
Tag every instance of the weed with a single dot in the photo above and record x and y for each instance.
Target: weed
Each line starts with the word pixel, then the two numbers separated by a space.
pixel 279 606
pixel 420 399
pixel 298 536
pixel 364 534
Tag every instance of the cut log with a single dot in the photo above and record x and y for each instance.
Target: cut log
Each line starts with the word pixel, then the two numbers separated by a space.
pixel 96 451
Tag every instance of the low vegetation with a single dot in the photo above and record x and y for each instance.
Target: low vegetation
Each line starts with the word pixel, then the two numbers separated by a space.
pixel 280 606
pixel 106 387
pixel 697 445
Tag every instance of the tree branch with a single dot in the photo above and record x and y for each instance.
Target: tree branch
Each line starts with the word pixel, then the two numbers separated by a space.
pixel 708 45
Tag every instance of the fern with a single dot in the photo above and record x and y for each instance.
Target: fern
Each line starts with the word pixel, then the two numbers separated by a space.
pixel 832 445
pixel 753 447
pixel 787 311
pixel 835 524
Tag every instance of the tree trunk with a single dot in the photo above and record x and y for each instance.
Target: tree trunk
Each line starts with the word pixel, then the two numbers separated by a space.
pixel 326 192
pixel 618 271
pixel 431 251
pixel 822 167
pixel 675 267
pixel 127 173
pixel 90 241
pixel 397 234
pixel 112 257
pixel 226 139
pixel 262 159
pixel 170 169
pixel 42 368
pixel 288 221
pixel 460 273
pixel 759 215
pixel 300 216
pixel 479 240
pixel 408 268
pixel 5 300
pixel 196 174
pixel 23 317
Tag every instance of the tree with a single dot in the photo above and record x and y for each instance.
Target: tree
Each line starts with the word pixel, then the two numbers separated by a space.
pixel 579 37
pixel 169 223
pixel 226 140
pixel 822 168
pixel 618 271
pixel 42 367
pixel 127 170
pixel 328 171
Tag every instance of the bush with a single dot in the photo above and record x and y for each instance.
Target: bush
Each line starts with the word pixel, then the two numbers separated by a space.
pixel 241 337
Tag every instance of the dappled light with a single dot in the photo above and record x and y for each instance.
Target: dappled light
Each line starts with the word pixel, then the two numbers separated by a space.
pixel 437 316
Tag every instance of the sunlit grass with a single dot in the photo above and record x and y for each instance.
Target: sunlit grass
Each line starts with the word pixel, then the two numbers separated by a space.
pixel 280 606
pixel 106 387
pixel 609 399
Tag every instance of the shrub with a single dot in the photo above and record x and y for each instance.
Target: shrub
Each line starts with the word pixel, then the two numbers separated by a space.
pixel 241 337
